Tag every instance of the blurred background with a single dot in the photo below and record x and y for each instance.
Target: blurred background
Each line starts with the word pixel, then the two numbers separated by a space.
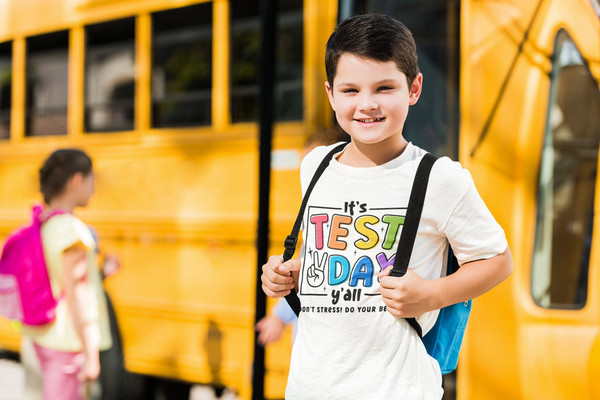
pixel 166 95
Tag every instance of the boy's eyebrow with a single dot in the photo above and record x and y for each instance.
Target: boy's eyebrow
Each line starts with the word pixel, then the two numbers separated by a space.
pixel 384 81
pixel 381 82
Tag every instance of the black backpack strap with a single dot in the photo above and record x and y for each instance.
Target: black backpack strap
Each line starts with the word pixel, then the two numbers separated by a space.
pixel 292 240
pixel 411 223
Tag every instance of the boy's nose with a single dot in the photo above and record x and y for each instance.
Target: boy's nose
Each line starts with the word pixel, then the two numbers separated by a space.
pixel 368 103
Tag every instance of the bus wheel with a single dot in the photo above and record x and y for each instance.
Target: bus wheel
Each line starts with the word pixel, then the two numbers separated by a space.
pixel 117 383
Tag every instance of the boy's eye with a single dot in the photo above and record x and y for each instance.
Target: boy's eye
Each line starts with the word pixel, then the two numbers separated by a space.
pixel 350 91
pixel 385 88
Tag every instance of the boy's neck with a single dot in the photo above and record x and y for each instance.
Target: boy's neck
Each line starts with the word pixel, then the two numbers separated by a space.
pixel 371 155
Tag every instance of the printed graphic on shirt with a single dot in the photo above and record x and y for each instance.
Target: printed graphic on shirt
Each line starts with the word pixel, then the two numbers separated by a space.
pixel 345 249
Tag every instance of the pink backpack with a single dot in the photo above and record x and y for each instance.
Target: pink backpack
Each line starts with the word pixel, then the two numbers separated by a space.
pixel 25 292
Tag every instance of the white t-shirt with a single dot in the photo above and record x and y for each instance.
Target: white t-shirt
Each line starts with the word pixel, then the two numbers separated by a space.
pixel 348 346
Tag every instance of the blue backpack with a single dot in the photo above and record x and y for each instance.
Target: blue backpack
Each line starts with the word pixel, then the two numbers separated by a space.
pixel 444 340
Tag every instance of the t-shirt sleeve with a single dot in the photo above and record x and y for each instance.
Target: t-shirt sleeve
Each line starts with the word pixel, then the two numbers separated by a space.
pixel 466 221
pixel 65 231
pixel 58 234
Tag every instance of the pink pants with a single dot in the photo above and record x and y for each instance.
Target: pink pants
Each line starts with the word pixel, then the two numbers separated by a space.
pixel 60 372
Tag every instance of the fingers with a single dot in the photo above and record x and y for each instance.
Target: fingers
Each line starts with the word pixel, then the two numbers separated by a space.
pixel 393 293
pixel 385 272
pixel 408 296
pixel 390 282
pixel 394 282
pixel 276 278
pixel 396 307
pixel 290 266
pixel 398 289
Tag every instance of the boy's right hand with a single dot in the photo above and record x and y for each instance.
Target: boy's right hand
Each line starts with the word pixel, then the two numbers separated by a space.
pixel 278 277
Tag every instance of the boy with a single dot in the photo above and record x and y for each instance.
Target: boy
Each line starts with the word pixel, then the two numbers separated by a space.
pixel 353 340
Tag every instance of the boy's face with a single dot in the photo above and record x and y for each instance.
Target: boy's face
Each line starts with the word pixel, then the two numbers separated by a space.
pixel 371 98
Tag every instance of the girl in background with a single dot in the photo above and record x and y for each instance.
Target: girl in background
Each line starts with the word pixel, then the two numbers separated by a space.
pixel 68 347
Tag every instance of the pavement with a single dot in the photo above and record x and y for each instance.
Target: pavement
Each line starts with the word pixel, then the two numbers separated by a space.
pixel 15 384
pixel 12 382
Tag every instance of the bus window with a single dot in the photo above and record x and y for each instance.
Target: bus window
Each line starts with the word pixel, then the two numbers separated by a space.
pixel 109 76
pixel 182 66
pixel 5 88
pixel 47 84
pixel 245 41
pixel 567 183
pixel 596 5
pixel 433 122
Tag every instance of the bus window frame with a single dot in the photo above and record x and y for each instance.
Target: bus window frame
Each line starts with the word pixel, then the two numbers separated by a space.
pixel 596 6
pixel 87 29
pixel 198 33
pixel 561 36
pixel 9 52
pixel 31 112
pixel 316 111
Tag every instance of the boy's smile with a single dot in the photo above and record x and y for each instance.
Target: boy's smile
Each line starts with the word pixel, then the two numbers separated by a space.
pixel 371 100
pixel 369 120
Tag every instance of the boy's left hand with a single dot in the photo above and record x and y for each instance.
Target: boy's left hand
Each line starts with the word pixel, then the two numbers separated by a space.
pixel 408 296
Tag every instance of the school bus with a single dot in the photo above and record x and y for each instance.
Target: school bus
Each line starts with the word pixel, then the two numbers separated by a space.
pixel 163 95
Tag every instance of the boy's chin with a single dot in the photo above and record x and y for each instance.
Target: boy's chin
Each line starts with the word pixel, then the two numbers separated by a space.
pixel 371 141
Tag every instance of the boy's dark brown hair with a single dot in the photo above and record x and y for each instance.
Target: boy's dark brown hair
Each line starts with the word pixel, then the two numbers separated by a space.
pixel 374 36
pixel 59 167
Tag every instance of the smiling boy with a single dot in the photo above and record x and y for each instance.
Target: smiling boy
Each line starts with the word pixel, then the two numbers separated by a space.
pixel 353 340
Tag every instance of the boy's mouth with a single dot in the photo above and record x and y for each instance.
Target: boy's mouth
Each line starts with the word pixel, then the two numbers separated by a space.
pixel 369 120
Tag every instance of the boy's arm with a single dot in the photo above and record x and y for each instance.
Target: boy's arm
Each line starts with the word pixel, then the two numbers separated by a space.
pixel 412 296
pixel 473 279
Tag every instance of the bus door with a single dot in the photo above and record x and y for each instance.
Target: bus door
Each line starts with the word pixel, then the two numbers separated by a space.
pixel 559 336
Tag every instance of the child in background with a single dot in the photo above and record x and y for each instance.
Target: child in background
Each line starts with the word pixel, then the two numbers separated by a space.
pixel 353 340
pixel 68 347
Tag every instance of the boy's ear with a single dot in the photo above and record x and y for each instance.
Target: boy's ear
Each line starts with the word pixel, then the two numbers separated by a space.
pixel 329 91
pixel 415 89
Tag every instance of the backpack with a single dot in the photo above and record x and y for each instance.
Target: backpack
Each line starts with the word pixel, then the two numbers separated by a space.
pixel 444 340
pixel 25 292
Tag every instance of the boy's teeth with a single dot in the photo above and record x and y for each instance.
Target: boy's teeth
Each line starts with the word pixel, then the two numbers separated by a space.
pixel 371 119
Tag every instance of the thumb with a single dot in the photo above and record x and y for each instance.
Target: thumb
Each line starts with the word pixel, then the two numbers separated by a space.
pixel 385 272
pixel 292 265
